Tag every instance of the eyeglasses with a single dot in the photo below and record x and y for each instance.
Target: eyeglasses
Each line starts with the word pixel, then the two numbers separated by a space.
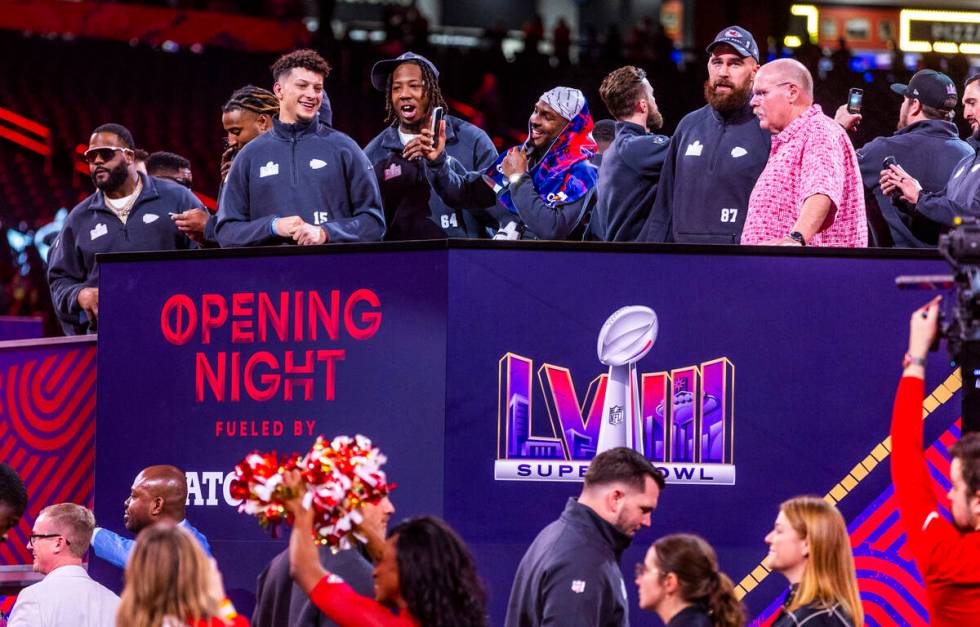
pixel 42 536
pixel 762 93
pixel 176 179
pixel 105 153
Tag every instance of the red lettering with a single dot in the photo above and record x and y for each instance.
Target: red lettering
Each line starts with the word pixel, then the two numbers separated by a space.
pixel 212 319
pixel 329 357
pixel 269 380
pixel 241 306
pixel 298 316
pixel 372 319
pixel 204 372
pixel 280 319
pixel 306 383
pixel 236 379
pixel 175 331
pixel 331 321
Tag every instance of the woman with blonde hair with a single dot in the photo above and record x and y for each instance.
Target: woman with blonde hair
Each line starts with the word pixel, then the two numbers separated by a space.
pixel 809 546
pixel 680 581
pixel 170 582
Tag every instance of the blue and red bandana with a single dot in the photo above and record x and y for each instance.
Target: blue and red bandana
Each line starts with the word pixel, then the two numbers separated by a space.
pixel 555 178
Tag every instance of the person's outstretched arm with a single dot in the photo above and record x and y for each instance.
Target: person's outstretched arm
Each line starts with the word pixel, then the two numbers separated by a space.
pixel 910 473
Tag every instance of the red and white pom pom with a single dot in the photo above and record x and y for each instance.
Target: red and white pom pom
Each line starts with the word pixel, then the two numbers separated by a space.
pixel 343 476
pixel 258 483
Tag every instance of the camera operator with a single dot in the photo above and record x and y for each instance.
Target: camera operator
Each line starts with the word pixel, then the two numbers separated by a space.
pixel 947 553
pixel 926 145
pixel 961 195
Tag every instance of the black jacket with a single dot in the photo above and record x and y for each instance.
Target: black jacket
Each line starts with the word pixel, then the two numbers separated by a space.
pixel 712 165
pixel 279 602
pixel 960 197
pixel 412 209
pixel 570 575
pixel 691 616
pixel 92 228
pixel 627 186
pixel 536 219
pixel 929 151
pixel 307 170
pixel 811 615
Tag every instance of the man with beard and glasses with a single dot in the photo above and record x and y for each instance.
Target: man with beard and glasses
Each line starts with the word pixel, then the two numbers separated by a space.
pixel 926 145
pixel 413 210
pixel 129 212
pixel 542 189
pixel 302 182
pixel 631 165
pixel 173 167
pixel 961 195
pixel 715 155
pixel 170 166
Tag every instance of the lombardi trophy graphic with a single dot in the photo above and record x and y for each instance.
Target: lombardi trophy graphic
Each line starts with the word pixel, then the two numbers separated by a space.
pixel 624 339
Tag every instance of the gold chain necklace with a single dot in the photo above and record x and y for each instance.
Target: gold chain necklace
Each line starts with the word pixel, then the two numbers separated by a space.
pixel 123 213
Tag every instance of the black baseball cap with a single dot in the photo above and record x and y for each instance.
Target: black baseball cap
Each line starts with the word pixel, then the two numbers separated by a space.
pixel 931 88
pixel 382 69
pixel 738 38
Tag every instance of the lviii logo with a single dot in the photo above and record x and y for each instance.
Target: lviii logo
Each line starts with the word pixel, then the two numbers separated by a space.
pixel 682 420
pixel 691 442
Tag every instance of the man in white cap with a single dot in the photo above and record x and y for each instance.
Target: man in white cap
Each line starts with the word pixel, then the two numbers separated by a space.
pixel 542 189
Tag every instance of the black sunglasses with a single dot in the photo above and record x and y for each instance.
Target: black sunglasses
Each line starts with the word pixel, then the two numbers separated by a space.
pixel 176 179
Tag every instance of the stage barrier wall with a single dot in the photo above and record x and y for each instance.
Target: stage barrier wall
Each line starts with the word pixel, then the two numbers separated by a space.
pixel 475 370
pixel 47 434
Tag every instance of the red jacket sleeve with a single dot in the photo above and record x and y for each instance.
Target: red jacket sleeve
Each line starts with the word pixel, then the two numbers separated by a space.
pixel 347 608
pixel 942 553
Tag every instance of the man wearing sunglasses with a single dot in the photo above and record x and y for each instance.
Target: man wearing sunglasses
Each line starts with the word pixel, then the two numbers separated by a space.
pixel 67 595
pixel 129 212
pixel 197 224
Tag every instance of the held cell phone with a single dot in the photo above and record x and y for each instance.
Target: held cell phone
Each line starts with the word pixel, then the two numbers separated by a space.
pixel 854 99
pixel 888 161
pixel 437 115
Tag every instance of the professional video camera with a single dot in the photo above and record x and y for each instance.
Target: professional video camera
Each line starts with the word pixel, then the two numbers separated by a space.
pixel 961 327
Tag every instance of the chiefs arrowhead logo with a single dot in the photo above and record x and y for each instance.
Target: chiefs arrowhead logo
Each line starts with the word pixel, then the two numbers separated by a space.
pixel 733 33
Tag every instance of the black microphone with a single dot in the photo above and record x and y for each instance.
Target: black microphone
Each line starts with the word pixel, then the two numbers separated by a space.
pixel 886 164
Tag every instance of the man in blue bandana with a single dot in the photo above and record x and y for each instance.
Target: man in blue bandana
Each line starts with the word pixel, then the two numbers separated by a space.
pixel 542 189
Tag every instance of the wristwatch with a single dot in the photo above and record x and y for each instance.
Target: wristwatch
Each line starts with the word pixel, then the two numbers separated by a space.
pixel 909 360
pixel 796 235
pixel 516 176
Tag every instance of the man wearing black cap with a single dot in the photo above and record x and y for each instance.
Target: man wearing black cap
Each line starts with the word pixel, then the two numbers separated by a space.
pixel 961 195
pixel 412 209
pixel 926 145
pixel 715 155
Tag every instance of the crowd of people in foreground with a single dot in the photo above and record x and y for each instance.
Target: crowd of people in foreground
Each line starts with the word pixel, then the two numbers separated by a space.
pixel 420 572
pixel 759 163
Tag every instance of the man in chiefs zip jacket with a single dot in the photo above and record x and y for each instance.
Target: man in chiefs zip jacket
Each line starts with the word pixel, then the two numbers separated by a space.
pixel 301 182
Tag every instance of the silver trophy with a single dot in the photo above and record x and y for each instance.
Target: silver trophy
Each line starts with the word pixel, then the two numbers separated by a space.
pixel 624 339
